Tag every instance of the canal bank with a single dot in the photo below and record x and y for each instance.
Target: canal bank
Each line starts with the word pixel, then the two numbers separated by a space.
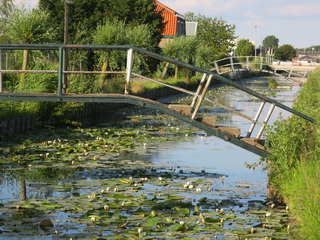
pixel 149 176
pixel 295 160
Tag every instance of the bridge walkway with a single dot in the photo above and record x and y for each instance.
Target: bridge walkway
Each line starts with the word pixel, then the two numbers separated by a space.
pixel 187 113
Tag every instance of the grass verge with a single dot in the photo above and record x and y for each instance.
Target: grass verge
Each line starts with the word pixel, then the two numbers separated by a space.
pixel 295 160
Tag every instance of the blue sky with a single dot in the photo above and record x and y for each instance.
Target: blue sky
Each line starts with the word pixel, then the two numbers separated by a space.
pixel 294 22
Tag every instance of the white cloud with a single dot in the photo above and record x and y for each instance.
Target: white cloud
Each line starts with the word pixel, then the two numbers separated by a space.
pixel 26 3
pixel 207 7
pixel 297 10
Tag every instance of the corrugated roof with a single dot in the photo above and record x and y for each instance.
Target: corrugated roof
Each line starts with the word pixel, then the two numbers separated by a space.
pixel 161 6
pixel 170 18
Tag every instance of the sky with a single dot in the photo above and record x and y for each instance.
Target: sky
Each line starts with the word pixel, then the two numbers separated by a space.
pixel 294 22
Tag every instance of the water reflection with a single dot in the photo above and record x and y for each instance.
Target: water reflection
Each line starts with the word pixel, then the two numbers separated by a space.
pixel 192 154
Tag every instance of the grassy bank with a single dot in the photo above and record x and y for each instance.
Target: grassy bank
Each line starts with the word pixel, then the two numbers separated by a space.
pixel 295 160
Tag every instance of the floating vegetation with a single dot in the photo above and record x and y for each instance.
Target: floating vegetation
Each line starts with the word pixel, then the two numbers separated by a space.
pixel 100 183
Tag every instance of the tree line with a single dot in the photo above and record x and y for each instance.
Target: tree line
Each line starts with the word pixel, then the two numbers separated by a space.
pixel 108 22
pixel 270 46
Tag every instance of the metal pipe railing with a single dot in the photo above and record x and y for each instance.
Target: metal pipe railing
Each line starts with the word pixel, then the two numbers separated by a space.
pixel 61 72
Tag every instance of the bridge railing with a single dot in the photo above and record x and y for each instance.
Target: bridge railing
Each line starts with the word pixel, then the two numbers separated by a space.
pixel 198 96
pixel 257 63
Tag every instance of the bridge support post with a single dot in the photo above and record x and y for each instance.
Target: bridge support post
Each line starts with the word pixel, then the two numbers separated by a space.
pixel 201 84
pixel 200 99
pixel 129 70
pixel 231 63
pixel 217 67
pixel 265 121
pixel 1 72
pixel 256 119
pixel 247 63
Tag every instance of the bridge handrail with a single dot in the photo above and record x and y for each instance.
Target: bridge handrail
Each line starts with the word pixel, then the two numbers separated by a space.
pixel 253 63
pixel 62 47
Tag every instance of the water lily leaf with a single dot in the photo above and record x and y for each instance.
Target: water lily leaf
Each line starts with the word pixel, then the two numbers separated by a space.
pixel 180 227
pixel 125 181
pixel 119 196
pixel 152 222
pixel 182 211
pixel 204 199
pixel 212 220
pixel 239 232
pixel 92 212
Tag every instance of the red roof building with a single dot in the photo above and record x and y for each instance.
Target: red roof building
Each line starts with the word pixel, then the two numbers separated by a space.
pixel 175 24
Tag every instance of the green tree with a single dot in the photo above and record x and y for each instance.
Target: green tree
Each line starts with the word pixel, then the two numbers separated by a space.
pixel 88 14
pixel 6 7
pixel 270 42
pixel 183 49
pixel 245 48
pixel 24 26
pixel 83 14
pixel 115 32
pixel 285 52
pixel 216 33
pixel 137 12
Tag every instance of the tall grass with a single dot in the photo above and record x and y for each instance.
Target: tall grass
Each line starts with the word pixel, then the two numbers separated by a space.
pixel 295 160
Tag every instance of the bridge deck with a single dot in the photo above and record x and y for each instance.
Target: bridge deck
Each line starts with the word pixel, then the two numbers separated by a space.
pixel 188 113
pixel 224 133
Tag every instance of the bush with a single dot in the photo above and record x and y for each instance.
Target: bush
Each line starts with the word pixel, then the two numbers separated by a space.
pixel 295 160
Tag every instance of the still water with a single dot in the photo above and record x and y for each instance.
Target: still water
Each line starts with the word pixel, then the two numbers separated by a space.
pixel 191 157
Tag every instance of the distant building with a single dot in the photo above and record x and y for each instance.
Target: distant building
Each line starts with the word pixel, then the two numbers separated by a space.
pixel 307 59
pixel 175 23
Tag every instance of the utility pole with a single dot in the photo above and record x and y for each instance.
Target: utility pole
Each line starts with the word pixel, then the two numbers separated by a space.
pixel 0 69
pixel 255 41
pixel 65 41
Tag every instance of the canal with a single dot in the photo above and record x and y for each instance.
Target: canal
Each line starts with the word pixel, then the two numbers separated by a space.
pixel 147 177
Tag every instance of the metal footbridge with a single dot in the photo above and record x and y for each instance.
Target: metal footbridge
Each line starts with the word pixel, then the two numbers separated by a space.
pixel 186 113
